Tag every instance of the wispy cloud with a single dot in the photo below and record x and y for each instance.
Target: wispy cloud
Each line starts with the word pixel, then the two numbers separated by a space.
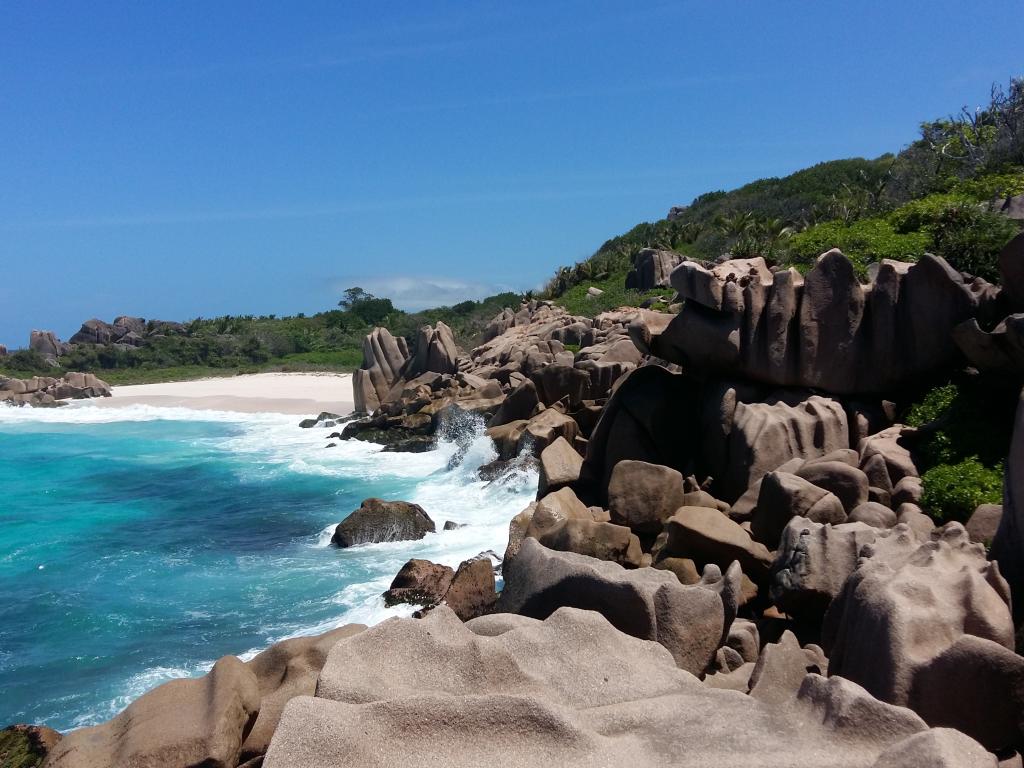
pixel 415 292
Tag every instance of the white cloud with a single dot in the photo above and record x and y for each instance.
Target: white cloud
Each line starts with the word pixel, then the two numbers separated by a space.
pixel 413 292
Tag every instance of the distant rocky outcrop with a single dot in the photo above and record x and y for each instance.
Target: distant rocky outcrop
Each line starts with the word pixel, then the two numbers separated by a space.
pixel 47 391
pixel 47 344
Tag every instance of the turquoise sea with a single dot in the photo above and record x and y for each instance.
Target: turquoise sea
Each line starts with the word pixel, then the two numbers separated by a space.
pixel 140 545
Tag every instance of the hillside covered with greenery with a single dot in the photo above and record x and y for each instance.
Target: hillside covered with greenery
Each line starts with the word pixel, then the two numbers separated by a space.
pixel 936 195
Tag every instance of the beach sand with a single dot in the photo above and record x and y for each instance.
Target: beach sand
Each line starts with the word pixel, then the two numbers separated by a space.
pixel 293 393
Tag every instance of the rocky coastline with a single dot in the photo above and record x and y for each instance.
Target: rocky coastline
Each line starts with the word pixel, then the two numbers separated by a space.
pixel 731 559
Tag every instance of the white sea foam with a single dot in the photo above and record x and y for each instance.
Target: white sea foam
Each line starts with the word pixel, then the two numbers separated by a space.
pixel 442 481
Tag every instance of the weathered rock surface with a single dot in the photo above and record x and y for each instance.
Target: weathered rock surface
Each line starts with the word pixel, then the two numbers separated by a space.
pixel 652 269
pixel 560 521
pixel 783 496
pixel 984 523
pixel 1008 545
pixel 907 604
pixel 48 391
pixel 472 593
pixel 377 520
pixel 568 691
pixel 560 466
pixel 824 330
pixel 181 724
pixel 708 536
pixel 813 562
pixel 383 358
pixel 419 582
pixel 645 603
pixel 283 671
pixel 643 496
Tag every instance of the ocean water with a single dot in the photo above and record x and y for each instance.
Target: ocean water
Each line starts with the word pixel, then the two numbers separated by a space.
pixel 140 545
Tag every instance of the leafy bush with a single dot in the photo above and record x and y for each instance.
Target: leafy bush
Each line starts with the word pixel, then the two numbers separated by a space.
pixel 578 302
pixel 864 242
pixel 958 420
pixel 27 360
pixel 936 403
pixel 970 239
pixel 954 491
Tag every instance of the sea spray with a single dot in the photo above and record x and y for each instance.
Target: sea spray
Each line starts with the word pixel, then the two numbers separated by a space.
pixel 171 537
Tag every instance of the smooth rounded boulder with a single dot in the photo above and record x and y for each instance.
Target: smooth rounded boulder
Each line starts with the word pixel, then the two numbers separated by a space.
pixel 643 495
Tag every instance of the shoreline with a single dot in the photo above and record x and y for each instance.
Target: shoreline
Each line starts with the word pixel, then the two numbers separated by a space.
pixel 286 393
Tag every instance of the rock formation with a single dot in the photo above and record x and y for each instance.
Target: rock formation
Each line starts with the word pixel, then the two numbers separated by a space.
pixel 823 330
pixel 652 269
pixel 46 391
pixel 377 520
pixel 571 690
pixel 905 607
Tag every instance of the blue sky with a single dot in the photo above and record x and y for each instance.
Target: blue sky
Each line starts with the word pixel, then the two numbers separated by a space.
pixel 184 159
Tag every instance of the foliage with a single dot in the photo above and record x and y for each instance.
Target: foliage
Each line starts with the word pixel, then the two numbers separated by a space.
pixel 366 306
pixel 329 340
pixel 954 491
pixel 970 239
pixel 964 430
pixel 936 403
pixel 17 750
pixel 863 241
pixel 578 302
pixel 969 157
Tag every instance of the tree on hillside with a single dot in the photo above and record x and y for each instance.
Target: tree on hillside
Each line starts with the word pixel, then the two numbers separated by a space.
pixel 366 306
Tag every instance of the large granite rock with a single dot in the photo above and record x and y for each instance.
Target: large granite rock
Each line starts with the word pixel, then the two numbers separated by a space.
pixel 812 564
pixel 560 466
pixel 283 671
pixel 377 520
pixel 47 344
pixel 708 536
pixel 652 269
pixel 643 496
pixel 743 441
pixel 569 691
pixel 784 496
pixel 906 605
pixel 181 724
pixel 384 356
pixel 560 521
pixel 645 603
pixel 825 330
pixel 472 592
pixel 1008 544
pixel 419 582
pixel 436 352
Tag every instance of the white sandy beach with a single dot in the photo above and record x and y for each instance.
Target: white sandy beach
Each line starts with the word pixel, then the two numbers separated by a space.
pixel 293 393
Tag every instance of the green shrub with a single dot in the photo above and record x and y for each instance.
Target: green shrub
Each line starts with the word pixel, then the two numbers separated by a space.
pixel 970 239
pixel 934 405
pixel 992 186
pixel 919 214
pixel 954 491
pixel 969 418
pixel 864 242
